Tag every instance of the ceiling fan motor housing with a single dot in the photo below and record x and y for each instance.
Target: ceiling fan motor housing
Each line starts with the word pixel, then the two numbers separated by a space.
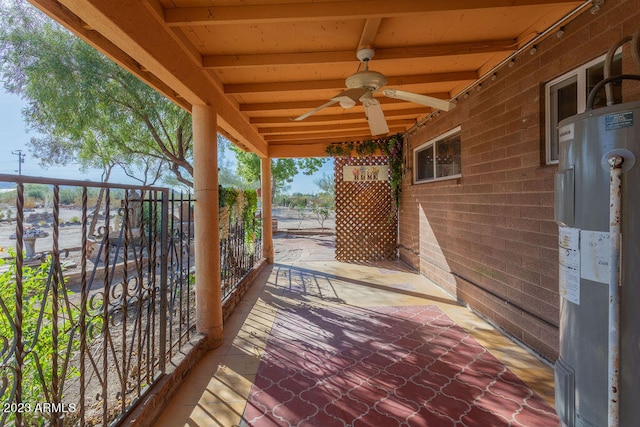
pixel 366 79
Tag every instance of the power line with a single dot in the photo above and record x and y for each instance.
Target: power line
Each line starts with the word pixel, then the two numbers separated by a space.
pixel 20 160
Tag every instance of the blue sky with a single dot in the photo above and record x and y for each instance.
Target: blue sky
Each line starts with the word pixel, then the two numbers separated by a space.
pixel 14 136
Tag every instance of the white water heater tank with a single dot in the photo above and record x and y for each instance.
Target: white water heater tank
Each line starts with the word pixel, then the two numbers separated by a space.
pixel 582 210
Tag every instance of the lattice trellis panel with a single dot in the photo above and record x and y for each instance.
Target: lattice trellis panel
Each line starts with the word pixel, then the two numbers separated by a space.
pixel 366 221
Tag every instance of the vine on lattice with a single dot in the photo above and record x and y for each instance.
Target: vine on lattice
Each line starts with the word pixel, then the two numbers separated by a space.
pixel 390 146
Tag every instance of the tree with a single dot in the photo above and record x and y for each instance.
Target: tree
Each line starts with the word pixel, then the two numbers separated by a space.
pixel 326 184
pixel 227 176
pixel 87 108
pixel 283 171
pixel 322 214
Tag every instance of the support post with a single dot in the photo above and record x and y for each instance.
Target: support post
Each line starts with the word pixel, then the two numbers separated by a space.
pixel 267 215
pixel 207 235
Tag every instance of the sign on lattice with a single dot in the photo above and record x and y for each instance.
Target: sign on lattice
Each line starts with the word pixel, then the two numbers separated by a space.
pixel 366 221
pixel 365 173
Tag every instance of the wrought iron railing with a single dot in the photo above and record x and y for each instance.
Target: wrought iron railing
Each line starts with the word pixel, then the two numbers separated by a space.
pixel 240 249
pixel 89 324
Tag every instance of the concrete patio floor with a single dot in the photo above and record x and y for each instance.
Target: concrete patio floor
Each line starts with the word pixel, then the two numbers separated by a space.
pixel 224 389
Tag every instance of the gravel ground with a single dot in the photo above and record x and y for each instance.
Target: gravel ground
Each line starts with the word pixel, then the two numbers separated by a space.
pixel 298 234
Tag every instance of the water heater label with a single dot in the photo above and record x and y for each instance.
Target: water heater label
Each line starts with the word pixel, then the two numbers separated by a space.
pixel 595 251
pixel 566 132
pixel 569 257
pixel 618 120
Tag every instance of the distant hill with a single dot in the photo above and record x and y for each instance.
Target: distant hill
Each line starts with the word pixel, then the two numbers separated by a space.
pixel 7 184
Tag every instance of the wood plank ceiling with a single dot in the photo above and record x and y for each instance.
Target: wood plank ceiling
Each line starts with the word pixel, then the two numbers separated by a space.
pixel 269 61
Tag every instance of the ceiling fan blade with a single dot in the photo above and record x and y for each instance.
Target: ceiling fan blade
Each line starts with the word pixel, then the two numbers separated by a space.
pixel 349 97
pixel 375 116
pixel 429 101
pixel 315 110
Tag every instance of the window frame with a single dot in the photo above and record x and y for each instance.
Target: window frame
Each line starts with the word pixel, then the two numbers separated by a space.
pixel 433 143
pixel 551 123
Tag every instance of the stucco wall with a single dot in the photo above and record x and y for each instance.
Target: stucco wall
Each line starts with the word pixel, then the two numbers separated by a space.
pixel 489 237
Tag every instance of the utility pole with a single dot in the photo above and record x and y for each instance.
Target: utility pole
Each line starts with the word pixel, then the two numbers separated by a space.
pixel 20 160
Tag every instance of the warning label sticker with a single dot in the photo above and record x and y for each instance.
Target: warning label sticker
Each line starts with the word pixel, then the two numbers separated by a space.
pixel 618 120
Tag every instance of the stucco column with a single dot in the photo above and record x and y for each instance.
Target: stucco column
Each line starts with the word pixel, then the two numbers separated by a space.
pixel 267 229
pixel 207 234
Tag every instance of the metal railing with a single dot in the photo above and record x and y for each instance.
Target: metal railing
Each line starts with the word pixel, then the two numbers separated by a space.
pixel 89 324
pixel 240 249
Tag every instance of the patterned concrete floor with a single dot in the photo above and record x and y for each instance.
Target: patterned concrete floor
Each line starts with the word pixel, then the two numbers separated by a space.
pixel 384 366
pixel 318 342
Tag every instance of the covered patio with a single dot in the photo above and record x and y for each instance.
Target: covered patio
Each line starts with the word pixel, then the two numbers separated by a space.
pixel 318 342
pixel 461 85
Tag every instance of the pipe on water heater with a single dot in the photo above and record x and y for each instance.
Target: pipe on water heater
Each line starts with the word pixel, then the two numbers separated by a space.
pixel 615 212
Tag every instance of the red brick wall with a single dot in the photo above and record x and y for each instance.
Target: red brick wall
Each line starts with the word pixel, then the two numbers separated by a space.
pixel 489 237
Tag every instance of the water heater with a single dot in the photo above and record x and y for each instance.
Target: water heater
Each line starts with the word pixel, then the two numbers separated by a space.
pixel 597 207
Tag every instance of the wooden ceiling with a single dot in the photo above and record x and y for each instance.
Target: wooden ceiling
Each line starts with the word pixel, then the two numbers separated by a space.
pixel 263 62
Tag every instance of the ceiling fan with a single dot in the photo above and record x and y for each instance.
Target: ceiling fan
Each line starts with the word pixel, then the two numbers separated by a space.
pixel 361 86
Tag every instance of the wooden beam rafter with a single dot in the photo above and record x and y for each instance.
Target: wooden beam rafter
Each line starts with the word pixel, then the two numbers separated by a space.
pixel 288 144
pixel 308 149
pixel 311 58
pixel 296 129
pixel 369 32
pixel 319 118
pixel 364 133
pixel 357 9
pixel 308 105
pixel 337 84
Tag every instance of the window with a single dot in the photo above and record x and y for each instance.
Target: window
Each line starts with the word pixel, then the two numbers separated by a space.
pixel 438 159
pixel 567 95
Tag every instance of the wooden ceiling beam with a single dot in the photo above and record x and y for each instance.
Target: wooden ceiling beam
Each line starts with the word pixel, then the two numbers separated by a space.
pixel 310 58
pixel 308 105
pixel 305 128
pixel 357 9
pixel 318 118
pixel 278 59
pixel 369 32
pixel 309 149
pixel 364 133
pixel 243 88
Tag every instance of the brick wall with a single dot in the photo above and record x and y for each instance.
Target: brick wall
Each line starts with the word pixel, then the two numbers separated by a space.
pixel 489 237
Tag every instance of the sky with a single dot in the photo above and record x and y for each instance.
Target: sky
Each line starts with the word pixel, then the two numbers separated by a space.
pixel 15 136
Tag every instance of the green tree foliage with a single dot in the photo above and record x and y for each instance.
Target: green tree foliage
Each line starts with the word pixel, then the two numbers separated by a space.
pixel 85 107
pixel 37 191
pixel 283 171
pixel 326 184
pixel 227 176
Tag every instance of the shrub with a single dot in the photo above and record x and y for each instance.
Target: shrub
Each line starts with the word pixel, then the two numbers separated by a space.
pixel 37 332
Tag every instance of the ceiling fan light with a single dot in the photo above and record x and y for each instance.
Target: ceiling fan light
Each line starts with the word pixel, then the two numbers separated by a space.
pixel 346 102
